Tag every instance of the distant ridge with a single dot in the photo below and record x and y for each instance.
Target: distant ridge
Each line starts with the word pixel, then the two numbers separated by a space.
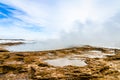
pixel 14 39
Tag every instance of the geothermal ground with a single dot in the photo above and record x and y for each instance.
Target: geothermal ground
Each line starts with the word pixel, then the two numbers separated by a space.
pixel 76 63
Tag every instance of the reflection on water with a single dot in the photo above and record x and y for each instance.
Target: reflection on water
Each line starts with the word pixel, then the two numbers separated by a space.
pixel 65 61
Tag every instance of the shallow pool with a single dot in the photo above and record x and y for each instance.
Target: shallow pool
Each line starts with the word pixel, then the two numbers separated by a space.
pixel 65 62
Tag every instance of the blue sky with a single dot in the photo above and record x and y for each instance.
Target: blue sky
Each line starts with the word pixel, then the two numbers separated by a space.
pixel 81 20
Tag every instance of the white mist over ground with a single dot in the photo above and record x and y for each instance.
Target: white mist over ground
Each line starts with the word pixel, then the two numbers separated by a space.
pixel 53 45
pixel 63 23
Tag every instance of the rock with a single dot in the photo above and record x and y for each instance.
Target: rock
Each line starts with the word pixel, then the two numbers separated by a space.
pixel 3 50
pixel 12 43
pixel 12 68
pixel 43 65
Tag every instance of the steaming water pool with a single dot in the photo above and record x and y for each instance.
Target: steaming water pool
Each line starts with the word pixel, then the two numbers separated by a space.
pixel 48 45
pixel 35 46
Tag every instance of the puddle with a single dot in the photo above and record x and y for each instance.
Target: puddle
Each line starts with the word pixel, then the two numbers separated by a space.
pixel 97 54
pixel 65 62
pixel 77 59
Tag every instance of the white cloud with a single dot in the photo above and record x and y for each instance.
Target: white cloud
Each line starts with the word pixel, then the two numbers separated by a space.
pixel 79 20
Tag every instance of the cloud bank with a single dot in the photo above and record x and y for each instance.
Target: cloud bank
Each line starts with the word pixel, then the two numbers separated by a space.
pixel 68 21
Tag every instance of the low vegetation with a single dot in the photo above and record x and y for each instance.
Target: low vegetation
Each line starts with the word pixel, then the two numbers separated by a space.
pixel 31 65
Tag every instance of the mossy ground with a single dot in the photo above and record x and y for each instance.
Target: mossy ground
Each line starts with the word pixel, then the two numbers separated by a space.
pixel 31 65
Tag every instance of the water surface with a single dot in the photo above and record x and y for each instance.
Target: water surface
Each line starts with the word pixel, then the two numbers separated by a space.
pixel 65 62
pixel 50 45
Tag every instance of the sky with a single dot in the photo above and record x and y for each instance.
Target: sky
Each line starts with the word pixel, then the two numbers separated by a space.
pixel 69 21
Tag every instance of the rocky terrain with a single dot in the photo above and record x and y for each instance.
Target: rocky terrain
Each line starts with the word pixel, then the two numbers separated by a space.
pixel 100 64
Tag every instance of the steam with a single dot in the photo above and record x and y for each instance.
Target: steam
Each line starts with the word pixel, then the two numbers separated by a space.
pixel 65 22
